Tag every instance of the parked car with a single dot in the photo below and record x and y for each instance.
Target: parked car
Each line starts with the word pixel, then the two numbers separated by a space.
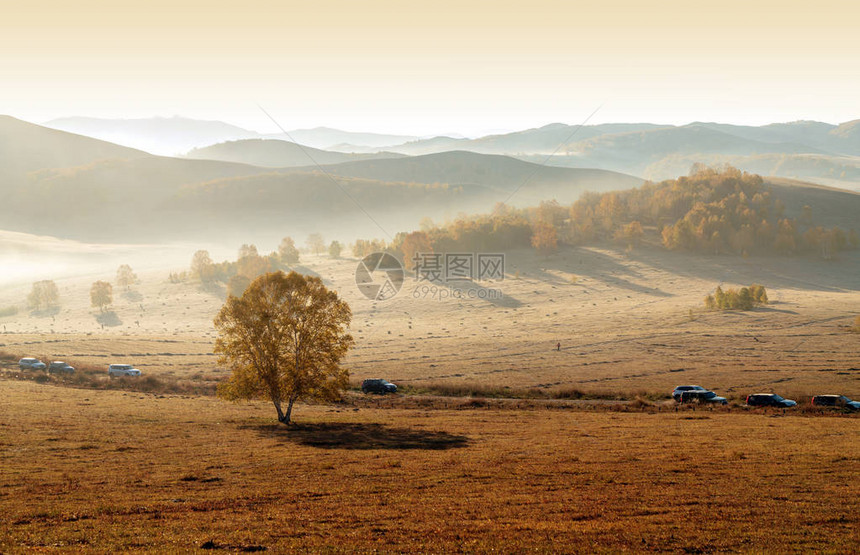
pixel 60 367
pixel 702 396
pixel 377 385
pixel 838 401
pixel 769 400
pixel 31 364
pixel 122 370
pixel 676 394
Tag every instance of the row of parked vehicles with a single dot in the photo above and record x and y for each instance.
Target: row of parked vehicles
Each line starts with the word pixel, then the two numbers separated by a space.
pixel 60 367
pixel 698 394
pixel 681 394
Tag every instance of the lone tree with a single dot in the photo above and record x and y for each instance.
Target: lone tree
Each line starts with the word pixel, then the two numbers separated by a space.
pixel 202 266
pixel 335 249
pixel 288 252
pixel 101 295
pixel 316 243
pixel 284 339
pixel 44 295
pixel 125 277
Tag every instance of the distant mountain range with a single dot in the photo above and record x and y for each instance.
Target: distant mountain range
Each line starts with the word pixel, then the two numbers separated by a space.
pixel 70 186
pixel 76 187
pixel 177 135
pixel 820 152
pixel 274 153
pixel 164 136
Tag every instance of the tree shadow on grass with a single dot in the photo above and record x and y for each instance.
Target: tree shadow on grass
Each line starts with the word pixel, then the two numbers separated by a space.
pixel 108 319
pixel 132 295
pixel 45 312
pixel 354 435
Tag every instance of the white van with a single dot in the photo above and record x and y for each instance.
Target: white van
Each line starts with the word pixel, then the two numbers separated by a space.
pixel 122 370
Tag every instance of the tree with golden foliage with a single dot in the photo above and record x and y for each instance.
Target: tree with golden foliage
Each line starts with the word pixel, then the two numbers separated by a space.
pixel 544 238
pixel 746 298
pixel 631 234
pixel 316 243
pixel 101 295
pixel 284 340
pixel 202 266
pixel 363 247
pixel 44 295
pixel 288 252
pixel 414 243
pixel 125 276
pixel 252 265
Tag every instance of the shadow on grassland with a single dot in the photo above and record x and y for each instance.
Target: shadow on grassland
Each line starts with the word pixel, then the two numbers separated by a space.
pixel 351 435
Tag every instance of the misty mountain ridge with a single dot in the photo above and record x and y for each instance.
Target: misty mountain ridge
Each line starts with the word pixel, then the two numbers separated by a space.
pixel 158 135
pixel 109 193
pixel 651 151
pixel 325 137
pixel 177 135
pixel 276 153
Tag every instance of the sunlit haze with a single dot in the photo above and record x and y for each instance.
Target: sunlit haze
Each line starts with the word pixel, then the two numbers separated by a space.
pixel 431 68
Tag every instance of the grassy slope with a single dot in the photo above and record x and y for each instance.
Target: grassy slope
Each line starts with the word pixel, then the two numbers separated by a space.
pixel 111 471
pixel 627 322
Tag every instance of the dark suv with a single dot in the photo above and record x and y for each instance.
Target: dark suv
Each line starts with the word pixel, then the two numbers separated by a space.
pixel 60 367
pixel 701 396
pixel 769 400
pixel 676 393
pixel 838 401
pixel 377 385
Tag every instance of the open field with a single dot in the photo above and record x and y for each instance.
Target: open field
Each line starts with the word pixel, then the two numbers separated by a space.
pixel 89 470
pixel 627 323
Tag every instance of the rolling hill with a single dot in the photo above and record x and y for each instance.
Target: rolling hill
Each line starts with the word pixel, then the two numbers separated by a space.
pixel 541 140
pixel 89 190
pixel 81 188
pixel 164 136
pixel 177 135
pixel 325 137
pixel 635 151
pixel 501 175
pixel 26 147
pixel 274 153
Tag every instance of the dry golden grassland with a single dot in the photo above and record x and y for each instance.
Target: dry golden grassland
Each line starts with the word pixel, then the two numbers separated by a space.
pixel 108 470
pixel 95 466
pixel 632 323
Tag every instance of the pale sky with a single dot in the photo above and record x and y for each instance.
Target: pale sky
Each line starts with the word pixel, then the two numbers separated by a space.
pixel 432 67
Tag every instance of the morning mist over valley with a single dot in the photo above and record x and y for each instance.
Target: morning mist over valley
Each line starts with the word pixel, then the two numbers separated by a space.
pixel 429 278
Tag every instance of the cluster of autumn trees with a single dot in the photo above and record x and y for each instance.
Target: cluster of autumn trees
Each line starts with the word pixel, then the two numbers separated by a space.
pixel 729 211
pixel 45 295
pixel 733 299
pixel 249 264
pixel 711 211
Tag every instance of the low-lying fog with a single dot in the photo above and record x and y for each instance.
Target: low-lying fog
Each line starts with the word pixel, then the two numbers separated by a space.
pixel 26 258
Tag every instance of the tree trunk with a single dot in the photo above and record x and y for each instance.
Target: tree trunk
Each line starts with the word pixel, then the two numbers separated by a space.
pixel 286 420
pixel 280 412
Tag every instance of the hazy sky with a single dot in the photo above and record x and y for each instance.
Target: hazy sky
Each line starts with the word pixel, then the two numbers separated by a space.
pixel 432 67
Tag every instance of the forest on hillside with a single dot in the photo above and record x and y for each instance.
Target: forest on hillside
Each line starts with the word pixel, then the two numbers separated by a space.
pixel 710 211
